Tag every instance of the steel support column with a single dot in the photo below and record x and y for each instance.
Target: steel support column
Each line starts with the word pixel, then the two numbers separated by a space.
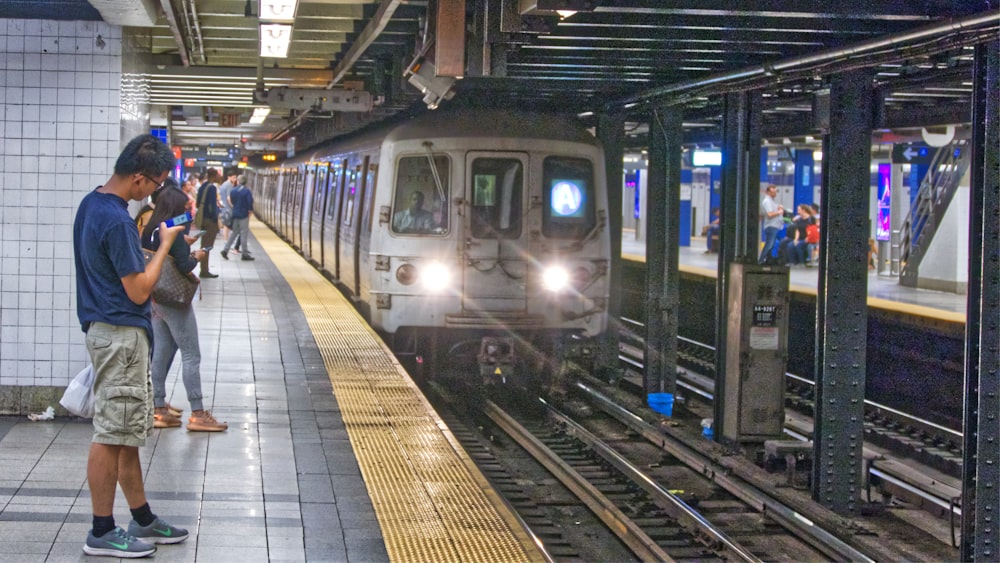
pixel 842 301
pixel 738 216
pixel 662 254
pixel 981 454
pixel 611 132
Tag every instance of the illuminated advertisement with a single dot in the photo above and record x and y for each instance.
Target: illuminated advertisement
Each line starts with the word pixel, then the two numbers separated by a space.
pixel 883 223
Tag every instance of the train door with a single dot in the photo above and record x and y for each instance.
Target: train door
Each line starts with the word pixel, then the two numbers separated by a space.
pixel 309 190
pixel 316 223
pixel 287 195
pixel 331 226
pixel 349 229
pixel 302 205
pixel 495 267
pixel 361 249
pixel 295 207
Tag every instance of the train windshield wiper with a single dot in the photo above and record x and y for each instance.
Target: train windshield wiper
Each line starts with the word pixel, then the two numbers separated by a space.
pixel 434 170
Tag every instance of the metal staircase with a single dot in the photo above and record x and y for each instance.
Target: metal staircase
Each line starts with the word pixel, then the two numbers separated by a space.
pixel 938 187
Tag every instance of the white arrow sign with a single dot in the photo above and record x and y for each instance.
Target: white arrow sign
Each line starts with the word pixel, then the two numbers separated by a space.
pixel 909 154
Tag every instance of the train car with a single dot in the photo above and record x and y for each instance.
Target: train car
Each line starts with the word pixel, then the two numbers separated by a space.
pixel 468 239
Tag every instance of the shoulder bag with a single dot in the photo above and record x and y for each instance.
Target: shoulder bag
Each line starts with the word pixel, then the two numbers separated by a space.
pixel 174 289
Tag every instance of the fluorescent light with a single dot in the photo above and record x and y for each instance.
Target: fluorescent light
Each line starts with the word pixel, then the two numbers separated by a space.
pixel 274 40
pixel 259 115
pixel 706 158
pixel 281 11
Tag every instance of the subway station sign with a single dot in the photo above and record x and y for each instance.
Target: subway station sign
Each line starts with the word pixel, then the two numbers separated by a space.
pixel 213 153
pixel 912 153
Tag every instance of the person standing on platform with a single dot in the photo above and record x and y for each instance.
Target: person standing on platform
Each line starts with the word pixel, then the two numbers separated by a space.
pixel 242 199
pixel 208 217
pixel 225 207
pixel 175 326
pixel 113 285
pixel 773 216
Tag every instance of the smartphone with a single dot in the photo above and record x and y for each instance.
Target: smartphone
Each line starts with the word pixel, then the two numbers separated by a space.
pixel 179 220
pixel 206 249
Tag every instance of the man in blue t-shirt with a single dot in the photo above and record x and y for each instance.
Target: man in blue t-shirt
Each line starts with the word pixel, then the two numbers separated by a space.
pixel 242 199
pixel 113 285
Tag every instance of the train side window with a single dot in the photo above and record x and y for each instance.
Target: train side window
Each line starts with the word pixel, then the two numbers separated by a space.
pixel 568 194
pixel 420 200
pixel 496 197
pixel 352 189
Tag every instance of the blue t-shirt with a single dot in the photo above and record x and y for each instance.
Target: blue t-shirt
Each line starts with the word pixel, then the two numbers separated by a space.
pixel 242 199
pixel 106 248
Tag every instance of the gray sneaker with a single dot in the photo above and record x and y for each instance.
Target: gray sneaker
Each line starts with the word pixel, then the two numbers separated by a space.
pixel 157 532
pixel 117 543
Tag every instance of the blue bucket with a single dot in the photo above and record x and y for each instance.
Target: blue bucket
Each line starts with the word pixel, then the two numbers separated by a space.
pixel 662 403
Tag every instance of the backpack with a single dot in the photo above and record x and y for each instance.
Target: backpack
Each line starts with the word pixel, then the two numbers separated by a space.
pixel 812 234
pixel 199 205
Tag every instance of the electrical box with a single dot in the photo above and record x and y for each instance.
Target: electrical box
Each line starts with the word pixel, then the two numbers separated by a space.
pixel 756 353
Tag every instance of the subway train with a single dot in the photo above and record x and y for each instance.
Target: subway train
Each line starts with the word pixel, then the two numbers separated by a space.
pixel 475 242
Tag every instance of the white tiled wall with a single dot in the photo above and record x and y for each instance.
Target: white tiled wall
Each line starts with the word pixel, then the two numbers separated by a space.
pixel 60 128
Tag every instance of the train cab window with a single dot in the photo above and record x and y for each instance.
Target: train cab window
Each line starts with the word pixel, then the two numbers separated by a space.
pixel 496 197
pixel 568 194
pixel 420 199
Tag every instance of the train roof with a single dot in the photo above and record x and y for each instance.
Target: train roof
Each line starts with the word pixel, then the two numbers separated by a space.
pixel 465 122
pixel 457 123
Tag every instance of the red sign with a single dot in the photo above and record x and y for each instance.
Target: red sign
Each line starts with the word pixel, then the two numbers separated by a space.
pixel 177 152
pixel 188 163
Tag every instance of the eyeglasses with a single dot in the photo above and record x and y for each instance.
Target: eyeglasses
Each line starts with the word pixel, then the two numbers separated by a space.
pixel 153 180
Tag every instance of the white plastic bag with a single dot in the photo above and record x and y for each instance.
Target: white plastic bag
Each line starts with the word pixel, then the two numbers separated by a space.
pixel 79 396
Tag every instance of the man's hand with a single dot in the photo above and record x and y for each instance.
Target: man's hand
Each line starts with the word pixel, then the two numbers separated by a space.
pixel 169 235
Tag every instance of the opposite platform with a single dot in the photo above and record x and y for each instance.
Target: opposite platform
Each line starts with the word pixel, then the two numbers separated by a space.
pixel 283 483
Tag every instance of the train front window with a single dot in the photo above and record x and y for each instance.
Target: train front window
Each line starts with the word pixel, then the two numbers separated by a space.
pixel 568 206
pixel 420 201
pixel 496 197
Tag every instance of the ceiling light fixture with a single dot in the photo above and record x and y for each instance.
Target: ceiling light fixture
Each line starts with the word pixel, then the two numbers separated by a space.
pixel 259 115
pixel 275 39
pixel 277 11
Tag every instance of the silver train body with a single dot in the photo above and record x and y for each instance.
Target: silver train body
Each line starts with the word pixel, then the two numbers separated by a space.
pixel 505 265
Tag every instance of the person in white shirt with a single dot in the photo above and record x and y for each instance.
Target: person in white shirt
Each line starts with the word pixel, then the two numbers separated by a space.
pixel 773 216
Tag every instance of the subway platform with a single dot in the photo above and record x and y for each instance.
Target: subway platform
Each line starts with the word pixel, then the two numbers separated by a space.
pixel 332 454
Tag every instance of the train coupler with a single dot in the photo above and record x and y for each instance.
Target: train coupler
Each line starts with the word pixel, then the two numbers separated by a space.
pixel 496 359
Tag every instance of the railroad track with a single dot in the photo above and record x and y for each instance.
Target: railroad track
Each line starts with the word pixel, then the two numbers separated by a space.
pixel 663 502
pixel 891 437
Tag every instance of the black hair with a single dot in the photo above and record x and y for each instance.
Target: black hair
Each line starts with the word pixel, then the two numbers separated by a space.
pixel 170 202
pixel 145 154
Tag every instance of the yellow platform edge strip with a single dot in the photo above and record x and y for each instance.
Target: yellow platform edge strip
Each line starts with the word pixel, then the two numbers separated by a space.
pixel 429 507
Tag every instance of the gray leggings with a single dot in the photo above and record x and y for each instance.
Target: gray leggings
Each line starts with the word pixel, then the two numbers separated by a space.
pixel 176 328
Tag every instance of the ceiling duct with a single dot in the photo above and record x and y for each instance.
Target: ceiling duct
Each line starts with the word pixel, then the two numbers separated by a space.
pixel 315 99
pixel 136 13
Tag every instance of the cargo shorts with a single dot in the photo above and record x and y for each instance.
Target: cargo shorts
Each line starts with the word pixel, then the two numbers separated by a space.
pixel 123 409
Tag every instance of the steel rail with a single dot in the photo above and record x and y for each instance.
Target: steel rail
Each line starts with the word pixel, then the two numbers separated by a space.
pixel 688 517
pixel 792 520
pixel 642 545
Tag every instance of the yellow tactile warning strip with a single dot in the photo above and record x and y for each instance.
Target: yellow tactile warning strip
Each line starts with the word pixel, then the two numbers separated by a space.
pixel 431 501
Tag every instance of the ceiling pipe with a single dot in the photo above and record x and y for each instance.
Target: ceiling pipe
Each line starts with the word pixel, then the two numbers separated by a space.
pixel 197 40
pixel 806 64
pixel 168 12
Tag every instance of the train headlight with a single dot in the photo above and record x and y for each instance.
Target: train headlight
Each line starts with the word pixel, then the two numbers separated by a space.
pixel 406 274
pixel 555 278
pixel 435 276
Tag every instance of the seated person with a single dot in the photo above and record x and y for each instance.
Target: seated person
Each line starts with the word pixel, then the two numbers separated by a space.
pixel 712 232
pixel 414 219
